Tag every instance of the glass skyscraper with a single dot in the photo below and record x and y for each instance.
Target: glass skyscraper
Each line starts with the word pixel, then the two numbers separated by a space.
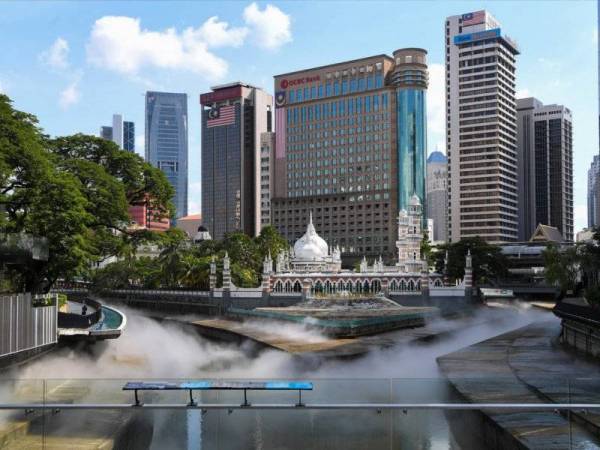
pixel 167 141
pixel 410 77
pixel 129 136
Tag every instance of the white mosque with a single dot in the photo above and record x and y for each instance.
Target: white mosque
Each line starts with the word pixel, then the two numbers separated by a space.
pixel 312 267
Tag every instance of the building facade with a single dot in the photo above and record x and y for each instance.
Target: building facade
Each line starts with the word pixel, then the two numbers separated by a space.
pixel 350 148
pixel 145 217
pixel 593 193
pixel 437 195
pixel 481 129
pixel 234 117
pixel 167 141
pixel 129 136
pixel 545 167
pixel 267 176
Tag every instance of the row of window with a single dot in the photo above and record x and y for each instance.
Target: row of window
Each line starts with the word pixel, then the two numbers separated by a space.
pixel 338 108
pixel 336 88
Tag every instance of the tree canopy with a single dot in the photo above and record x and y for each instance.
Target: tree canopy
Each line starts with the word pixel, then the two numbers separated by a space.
pixel 74 191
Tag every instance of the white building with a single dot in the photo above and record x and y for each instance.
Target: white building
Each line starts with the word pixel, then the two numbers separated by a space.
pixel 481 129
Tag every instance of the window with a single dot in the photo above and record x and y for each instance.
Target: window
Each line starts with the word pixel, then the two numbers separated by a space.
pixel 361 84
pixel 369 82
pixel 292 96
pixel 378 81
pixel 358 105
pixel 367 104
pixel 384 100
pixel 353 85
pixel 345 87
pixel 298 95
pixel 336 88
pixel 320 91
pixel 328 90
pixel 313 92
pixel 306 94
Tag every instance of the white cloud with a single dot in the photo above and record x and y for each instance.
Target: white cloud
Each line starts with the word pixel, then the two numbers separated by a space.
pixel 119 43
pixel 523 93
pixel 70 95
pixel 271 27
pixel 218 34
pixel 57 55
pixel 436 100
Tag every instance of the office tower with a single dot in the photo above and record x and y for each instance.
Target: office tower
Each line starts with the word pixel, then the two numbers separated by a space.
pixel 233 118
pixel 437 195
pixel 593 193
pixel 121 133
pixel 350 148
pixel 167 141
pixel 129 136
pixel 142 216
pixel 545 167
pixel 267 176
pixel 481 129
pixel 117 130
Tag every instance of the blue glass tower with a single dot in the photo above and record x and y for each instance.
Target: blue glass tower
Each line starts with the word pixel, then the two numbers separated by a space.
pixel 410 78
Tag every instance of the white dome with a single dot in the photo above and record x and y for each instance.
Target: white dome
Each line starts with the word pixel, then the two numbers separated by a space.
pixel 414 200
pixel 311 246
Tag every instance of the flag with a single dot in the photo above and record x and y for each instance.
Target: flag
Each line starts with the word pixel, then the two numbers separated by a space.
pixel 473 18
pixel 225 115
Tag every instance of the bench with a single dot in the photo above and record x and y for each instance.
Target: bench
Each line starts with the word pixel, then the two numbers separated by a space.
pixel 209 385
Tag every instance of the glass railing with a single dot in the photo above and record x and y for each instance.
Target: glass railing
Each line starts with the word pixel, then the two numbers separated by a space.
pixel 335 414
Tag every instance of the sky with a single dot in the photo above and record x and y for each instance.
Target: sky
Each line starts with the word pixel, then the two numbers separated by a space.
pixel 74 64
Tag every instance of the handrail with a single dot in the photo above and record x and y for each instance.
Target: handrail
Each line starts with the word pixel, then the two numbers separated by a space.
pixel 555 407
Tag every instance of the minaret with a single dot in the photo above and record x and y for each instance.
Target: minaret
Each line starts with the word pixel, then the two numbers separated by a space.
pixel 468 279
pixel 226 273
pixel 213 274
pixel 266 275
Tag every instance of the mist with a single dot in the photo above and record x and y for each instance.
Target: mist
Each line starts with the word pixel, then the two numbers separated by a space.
pixel 152 349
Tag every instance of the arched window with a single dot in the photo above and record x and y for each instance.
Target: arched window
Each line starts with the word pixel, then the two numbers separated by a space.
pixel 288 286
pixel 340 286
pixel 297 286
pixel 415 255
pixel 402 285
pixel 411 285
pixel 394 286
pixel 366 286
pixel 318 287
pixel 278 286
pixel 349 286
pixel 437 283
pixel 327 287
pixel 358 286
pixel 376 286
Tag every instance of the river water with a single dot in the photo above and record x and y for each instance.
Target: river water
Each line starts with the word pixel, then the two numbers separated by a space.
pixel 151 349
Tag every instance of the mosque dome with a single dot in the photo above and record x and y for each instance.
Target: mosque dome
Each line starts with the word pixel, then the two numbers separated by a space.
pixel 414 200
pixel 311 246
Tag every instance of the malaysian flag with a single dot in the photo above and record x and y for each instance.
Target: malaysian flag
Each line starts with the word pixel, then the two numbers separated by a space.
pixel 473 18
pixel 225 115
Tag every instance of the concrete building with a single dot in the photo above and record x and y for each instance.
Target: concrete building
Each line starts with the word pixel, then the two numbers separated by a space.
pixel 167 141
pixel 437 195
pixel 234 116
pixel 143 216
pixel 129 136
pixel 267 176
pixel 351 148
pixel 190 224
pixel 481 129
pixel 121 133
pixel 593 193
pixel 545 167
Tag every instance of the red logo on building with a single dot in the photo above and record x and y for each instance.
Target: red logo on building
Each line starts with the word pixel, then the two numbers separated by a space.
pixel 284 84
pixel 287 83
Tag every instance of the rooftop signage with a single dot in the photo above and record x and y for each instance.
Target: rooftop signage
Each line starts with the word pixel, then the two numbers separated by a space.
pixel 478 36
pixel 285 83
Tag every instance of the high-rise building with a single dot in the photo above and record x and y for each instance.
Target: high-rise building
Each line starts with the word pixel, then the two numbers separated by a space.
pixel 234 116
pixel 167 141
pixel 106 133
pixel 129 136
pixel 593 193
pixel 481 129
pixel 437 195
pixel 117 130
pixel 121 133
pixel 545 167
pixel 350 149
pixel 267 176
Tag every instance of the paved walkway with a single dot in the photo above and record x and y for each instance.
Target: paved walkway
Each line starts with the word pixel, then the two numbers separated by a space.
pixel 528 366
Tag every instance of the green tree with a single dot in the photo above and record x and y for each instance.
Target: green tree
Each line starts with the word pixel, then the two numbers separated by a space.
pixel 270 241
pixel 488 261
pixel 562 266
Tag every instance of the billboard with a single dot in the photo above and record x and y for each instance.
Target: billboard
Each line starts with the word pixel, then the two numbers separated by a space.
pixel 479 36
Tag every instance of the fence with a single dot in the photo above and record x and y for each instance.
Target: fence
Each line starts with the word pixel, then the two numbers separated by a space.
pixel 27 322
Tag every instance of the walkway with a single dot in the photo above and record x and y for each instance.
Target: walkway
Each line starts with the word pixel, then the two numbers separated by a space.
pixel 528 366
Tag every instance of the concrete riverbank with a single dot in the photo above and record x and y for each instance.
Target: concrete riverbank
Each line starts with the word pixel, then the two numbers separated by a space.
pixel 527 366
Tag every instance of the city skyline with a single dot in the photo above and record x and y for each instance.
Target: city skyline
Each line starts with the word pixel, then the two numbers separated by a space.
pixel 77 93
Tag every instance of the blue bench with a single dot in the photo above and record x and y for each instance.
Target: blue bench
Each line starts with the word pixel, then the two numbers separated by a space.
pixel 208 385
